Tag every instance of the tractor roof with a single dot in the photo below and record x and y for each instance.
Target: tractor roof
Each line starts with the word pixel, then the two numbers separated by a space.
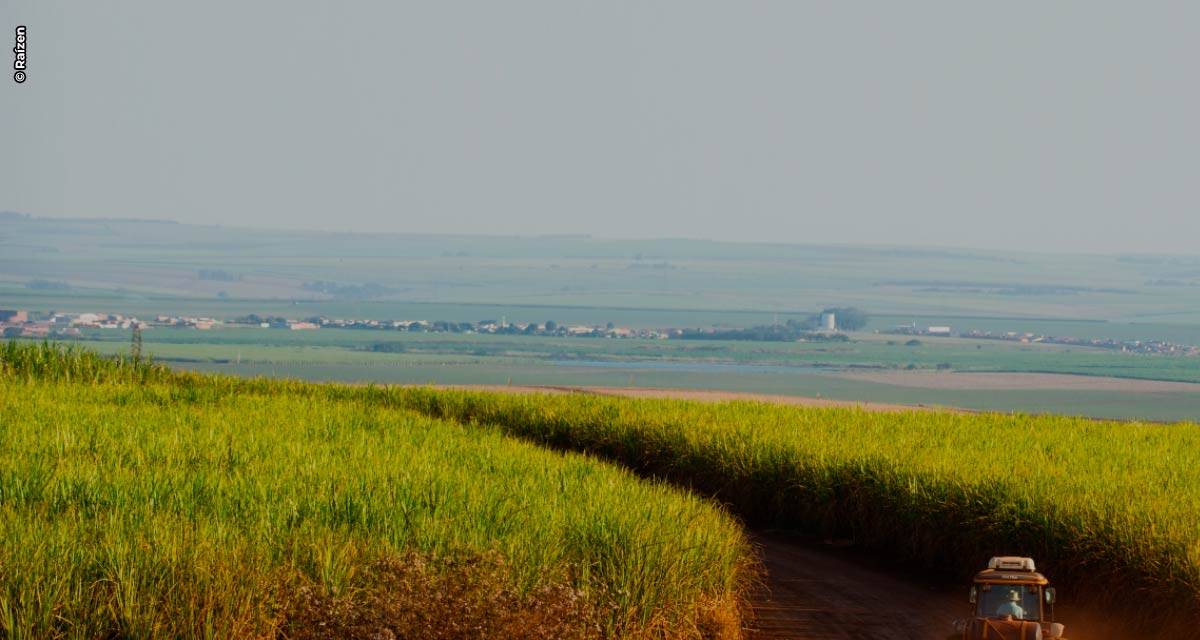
pixel 1009 576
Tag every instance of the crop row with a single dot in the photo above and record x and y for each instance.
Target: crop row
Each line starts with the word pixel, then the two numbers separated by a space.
pixel 1106 508
pixel 200 507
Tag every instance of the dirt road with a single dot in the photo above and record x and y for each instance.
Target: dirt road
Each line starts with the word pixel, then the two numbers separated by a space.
pixel 814 592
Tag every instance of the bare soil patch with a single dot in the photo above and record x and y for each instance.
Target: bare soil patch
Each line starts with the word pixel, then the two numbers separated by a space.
pixel 699 395
pixel 1017 381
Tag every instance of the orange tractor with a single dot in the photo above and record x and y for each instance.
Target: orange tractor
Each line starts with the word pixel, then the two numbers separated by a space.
pixel 1012 602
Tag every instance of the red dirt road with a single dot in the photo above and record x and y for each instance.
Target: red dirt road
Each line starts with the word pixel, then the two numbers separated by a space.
pixel 813 592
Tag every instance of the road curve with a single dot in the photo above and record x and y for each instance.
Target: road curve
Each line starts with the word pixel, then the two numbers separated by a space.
pixel 817 592
pixel 810 593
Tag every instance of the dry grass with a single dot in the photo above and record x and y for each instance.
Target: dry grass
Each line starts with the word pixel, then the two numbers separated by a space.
pixel 419 596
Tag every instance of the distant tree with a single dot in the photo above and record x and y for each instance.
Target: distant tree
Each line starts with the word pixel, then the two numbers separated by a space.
pixel 551 326
pixel 763 333
pixel 531 328
pixel 848 318
pixel 388 347
pixel 610 326
pixel 353 291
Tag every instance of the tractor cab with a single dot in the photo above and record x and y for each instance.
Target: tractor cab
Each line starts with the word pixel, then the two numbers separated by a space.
pixel 1012 602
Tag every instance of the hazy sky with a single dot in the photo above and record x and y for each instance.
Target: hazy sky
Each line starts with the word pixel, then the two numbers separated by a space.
pixel 1036 125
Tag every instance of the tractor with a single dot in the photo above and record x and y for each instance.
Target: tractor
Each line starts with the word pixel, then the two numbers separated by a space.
pixel 1012 602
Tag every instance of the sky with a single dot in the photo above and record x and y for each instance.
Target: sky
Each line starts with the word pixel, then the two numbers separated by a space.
pixel 1033 126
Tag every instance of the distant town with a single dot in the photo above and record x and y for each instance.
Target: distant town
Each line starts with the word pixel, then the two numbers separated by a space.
pixel 1154 347
pixel 820 327
pixel 29 324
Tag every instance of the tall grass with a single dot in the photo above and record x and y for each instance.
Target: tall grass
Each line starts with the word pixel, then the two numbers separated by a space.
pixel 1107 509
pixel 196 507
pixel 47 361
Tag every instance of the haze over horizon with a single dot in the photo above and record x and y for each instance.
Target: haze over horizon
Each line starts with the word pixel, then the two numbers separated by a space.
pixel 1067 127
pixel 602 238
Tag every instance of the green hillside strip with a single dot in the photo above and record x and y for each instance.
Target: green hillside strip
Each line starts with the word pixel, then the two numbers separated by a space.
pixel 1108 509
pixel 136 503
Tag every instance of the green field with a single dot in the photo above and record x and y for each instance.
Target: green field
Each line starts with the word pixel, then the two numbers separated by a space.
pixel 1107 508
pixel 1158 407
pixel 137 505
pixel 243 487
pixel 147 268
pixel 345 356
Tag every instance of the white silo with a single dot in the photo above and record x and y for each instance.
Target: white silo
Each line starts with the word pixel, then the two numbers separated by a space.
pixel 828 321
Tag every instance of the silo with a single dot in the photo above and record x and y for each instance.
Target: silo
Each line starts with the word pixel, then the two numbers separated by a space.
pixel 828 321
